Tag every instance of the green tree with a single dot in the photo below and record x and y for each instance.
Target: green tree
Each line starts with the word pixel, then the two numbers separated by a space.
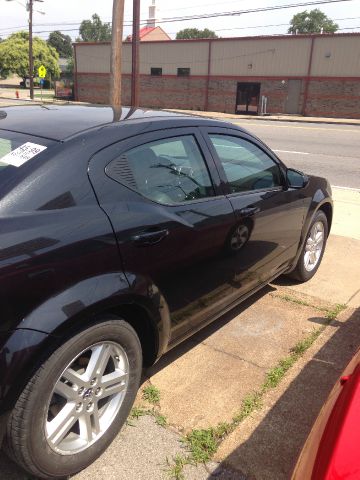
pixel 314 21
pixel 195 33
pixel 94 30
pixel 14 56
pixel 62 44
pixel 70 67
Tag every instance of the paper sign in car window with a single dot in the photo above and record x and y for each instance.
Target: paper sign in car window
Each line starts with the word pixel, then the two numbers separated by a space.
pixel 22 154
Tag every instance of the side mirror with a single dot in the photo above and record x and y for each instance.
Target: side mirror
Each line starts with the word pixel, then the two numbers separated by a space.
pixel 296 179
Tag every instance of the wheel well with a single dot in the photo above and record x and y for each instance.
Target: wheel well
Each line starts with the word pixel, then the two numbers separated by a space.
pixel 133 314
pixel 140 320
pixel 328 210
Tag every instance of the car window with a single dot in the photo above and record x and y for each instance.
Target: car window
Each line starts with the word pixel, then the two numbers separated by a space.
pixel 16 150
pixel 168 171
pixel 246 166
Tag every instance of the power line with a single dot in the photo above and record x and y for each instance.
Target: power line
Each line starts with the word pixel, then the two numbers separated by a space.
pixel 228 29
pixel 254 10
pixel 223 14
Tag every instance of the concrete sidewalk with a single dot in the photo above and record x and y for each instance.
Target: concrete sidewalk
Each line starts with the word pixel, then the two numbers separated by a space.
pixel 272 117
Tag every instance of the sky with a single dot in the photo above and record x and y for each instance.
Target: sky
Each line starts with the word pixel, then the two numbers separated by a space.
pixel 66 15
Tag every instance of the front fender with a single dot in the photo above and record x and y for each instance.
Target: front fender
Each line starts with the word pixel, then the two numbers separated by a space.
pixel 316 199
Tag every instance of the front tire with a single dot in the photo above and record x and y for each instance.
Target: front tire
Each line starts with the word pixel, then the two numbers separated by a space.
pixel 313 249
pixel 76 403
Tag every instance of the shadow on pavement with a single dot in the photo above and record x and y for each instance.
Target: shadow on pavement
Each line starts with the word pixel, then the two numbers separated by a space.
pixel 271 451
pixel 204 333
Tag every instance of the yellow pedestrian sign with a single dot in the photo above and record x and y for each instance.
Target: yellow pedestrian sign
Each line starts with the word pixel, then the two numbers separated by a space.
pixel 42 71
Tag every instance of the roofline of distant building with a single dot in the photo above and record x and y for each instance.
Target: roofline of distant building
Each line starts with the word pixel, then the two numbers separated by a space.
pixel 226 39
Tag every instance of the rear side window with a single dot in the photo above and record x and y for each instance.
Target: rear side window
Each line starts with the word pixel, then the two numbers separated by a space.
pixel 168 171
pixel 246 166
pixel 15 150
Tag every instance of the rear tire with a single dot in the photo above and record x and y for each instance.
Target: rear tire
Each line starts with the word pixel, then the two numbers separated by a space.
pixel 77 401
pixel 313 249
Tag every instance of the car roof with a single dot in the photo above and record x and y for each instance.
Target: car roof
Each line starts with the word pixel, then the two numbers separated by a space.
pixel 59 122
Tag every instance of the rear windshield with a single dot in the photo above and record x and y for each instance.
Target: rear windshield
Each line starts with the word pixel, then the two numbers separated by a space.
pixel 16 152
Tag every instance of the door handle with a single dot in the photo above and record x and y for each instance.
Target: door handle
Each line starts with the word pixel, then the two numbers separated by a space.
pixel 249 211
pixel 149 237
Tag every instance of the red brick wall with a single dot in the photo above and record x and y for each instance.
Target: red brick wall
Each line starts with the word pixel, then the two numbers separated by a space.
pixel 334 98
pixel 326 97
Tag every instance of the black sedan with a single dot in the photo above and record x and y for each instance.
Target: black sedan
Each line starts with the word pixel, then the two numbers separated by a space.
pixel 121 237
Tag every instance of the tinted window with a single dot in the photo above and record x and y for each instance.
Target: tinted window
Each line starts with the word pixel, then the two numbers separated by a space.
pixel 156 71
pixel 16 150
pixel 183 72
pixel 169 171
pixel 246 166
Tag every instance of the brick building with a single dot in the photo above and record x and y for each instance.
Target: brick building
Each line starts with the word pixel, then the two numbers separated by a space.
pixel 317 75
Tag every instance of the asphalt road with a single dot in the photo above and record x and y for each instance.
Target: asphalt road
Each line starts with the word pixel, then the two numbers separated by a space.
pixel 331 151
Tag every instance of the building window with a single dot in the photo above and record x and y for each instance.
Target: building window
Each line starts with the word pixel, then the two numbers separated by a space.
pixel 183 72
pixel 156 71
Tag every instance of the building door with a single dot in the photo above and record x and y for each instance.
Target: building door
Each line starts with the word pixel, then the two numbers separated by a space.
pixel 247 98
pixel 292 101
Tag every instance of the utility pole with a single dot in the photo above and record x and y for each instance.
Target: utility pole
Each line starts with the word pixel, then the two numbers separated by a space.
pixel 135 55
pixel 31 59
pixel 116 53
pixel 29 8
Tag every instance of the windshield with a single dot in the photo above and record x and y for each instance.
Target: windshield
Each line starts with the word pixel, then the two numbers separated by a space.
pixel 16 151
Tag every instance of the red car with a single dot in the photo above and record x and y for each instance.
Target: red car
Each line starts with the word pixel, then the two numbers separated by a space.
pixel 331 451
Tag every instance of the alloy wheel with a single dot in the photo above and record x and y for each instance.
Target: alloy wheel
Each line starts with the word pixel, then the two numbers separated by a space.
pixel 314 246
pixel 86 398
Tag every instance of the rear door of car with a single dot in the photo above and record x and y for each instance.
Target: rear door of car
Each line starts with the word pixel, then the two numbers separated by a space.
pixel 269 215
pixel 172 221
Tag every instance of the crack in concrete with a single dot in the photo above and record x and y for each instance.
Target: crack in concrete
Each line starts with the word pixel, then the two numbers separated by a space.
pixel 233 355
pixel 353 296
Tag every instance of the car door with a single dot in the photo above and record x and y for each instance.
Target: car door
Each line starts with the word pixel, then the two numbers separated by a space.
pixel 162 193
pixel 269 214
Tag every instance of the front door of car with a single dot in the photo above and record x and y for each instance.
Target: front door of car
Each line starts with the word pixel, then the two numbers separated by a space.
pixel 161 191
pixel 269 214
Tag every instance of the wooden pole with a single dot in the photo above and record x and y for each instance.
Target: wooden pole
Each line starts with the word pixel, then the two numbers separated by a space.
pixel 135 55
pixel 31 61
pixel 116 53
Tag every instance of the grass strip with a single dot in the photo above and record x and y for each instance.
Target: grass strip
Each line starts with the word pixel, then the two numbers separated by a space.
pixel 137 412
pixel 151 394
pixel 202 444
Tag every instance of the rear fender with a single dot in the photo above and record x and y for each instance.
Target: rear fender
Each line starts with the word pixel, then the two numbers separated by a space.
pixel 24 349
pixel 90 297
